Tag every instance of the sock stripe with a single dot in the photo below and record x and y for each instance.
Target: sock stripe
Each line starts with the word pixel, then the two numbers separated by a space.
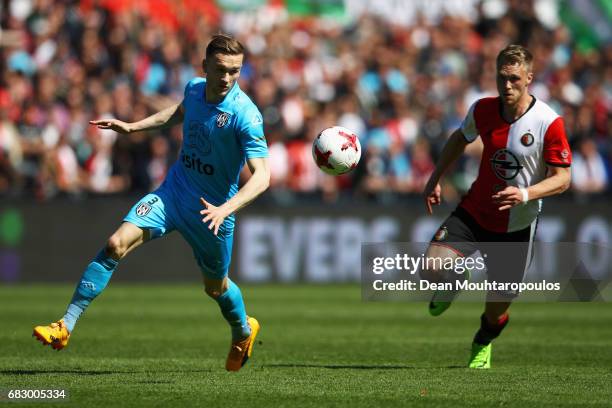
pixel 487 332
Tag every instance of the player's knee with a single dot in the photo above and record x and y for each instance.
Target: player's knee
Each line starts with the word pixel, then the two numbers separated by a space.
pixel 116 247
pixel 213 292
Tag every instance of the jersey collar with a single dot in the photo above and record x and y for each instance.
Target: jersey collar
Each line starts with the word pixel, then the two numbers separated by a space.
pixel 501 110
pixel 225 103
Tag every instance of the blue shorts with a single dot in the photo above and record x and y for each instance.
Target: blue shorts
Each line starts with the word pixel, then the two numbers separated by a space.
pixel 160 212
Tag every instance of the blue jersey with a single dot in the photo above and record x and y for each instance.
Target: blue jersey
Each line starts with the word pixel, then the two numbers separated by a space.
pixel 217 140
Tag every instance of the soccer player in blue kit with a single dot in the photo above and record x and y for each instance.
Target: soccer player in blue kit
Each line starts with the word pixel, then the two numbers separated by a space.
pixel 222 129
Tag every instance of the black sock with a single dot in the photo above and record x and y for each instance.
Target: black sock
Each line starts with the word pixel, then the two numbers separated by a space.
pixel 488 332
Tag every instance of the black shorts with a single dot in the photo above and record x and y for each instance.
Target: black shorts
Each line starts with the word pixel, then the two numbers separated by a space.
pixel 504 262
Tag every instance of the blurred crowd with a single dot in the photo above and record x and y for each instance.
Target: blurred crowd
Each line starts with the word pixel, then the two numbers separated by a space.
pixel 403 88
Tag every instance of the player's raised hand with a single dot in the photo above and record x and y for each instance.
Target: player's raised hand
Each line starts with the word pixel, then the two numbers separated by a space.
pixel 213 214
pixel 508 198
pixel 432 194
pixel 112 124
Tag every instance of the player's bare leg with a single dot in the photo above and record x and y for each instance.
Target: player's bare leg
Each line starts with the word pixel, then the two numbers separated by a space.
pixel 95 278
pixel 127 238
pixel 244 328
pixel 494 311
pixel 441 300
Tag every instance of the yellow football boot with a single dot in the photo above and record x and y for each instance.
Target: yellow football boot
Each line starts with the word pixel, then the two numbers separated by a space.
pixel 56 335
pixel 240 351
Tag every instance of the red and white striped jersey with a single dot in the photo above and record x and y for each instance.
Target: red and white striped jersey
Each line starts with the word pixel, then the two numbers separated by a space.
pixel 515 154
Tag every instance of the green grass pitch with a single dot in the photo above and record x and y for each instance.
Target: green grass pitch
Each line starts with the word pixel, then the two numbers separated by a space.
pixel 165 345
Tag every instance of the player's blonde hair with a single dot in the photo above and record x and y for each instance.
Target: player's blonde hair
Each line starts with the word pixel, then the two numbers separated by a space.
pixel 515 54
pixel 224 44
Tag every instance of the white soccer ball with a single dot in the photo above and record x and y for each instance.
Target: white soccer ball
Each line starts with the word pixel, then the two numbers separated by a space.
pixel 336 150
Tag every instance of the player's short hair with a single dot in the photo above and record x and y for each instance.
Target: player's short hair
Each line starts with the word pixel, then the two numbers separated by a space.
pixel 224 44
pixel 515 54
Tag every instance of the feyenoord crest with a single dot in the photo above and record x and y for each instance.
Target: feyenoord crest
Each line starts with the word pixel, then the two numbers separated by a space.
pixel 527 139
pixel 222 119
pixel 143 209
pixel 441 234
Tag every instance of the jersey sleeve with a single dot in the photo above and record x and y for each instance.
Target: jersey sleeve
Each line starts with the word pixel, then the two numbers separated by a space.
pixel 191 89
pixel 188 87
pixel 468 126
pixel 556 148
pixel 251 133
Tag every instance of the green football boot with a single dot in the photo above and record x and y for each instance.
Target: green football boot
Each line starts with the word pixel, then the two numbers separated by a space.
pixel 481 356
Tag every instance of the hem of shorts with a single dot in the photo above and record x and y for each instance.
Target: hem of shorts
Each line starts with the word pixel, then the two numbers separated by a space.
pixel 133 221
pixel 455 250
pixel 206 272
pixel 257 156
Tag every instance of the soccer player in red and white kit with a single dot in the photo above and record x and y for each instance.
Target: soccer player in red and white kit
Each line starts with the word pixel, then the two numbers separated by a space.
pixel 526 157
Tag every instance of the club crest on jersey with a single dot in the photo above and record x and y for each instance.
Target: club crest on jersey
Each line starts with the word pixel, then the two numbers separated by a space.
pixel 505 164
pixel 527 139
pixel 441 234
pixel 143 209
pixel 222 119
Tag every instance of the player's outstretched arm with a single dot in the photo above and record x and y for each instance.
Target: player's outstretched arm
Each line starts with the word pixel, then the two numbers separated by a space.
pixel 453 148
pixel 557 181
pixel 257 184
pixel 165 118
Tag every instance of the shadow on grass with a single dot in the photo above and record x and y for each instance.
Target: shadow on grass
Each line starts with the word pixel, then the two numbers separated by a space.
pixel 353 366
pixel 327 366
pixel 90 372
